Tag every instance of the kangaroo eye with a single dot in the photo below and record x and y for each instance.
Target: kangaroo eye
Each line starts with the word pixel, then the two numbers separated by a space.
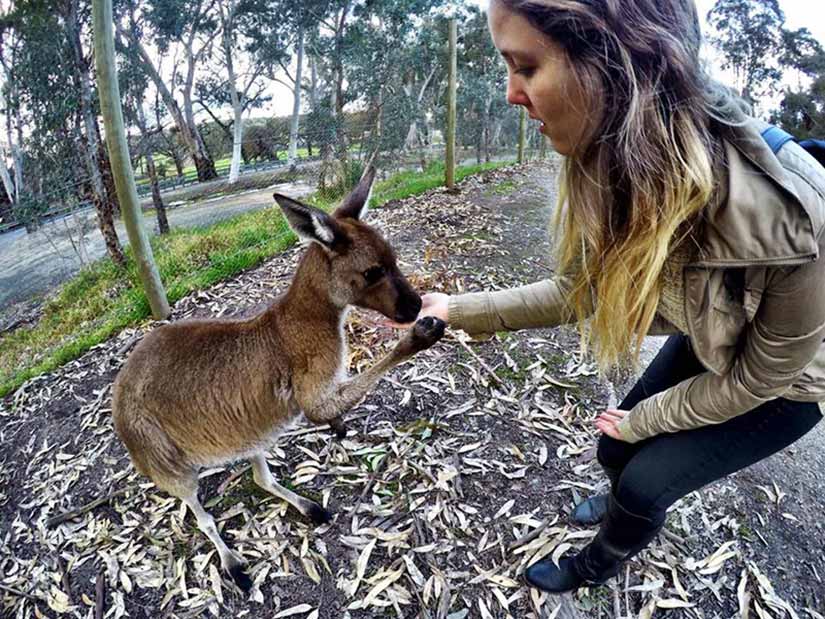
pixel 372 275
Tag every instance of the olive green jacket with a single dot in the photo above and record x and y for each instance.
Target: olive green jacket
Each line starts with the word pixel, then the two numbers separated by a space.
pixel 754 297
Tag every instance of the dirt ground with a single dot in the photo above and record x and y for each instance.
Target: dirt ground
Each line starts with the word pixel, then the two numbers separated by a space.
pixel 458 471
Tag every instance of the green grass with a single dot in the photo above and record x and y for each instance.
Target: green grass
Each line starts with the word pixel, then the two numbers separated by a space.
pixel 102 300
pixel 504 188
pixel 411 183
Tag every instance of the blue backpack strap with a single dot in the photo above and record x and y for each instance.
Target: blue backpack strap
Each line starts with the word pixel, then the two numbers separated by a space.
pixel 776 138
pixel 816 148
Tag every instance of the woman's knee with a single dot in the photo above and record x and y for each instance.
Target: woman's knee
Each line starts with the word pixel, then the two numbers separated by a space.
pixel 613 454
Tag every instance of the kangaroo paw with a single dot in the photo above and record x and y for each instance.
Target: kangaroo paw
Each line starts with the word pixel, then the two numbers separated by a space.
pixel 337 424
pixel 423 334
pixel 318 514
pixel 241 578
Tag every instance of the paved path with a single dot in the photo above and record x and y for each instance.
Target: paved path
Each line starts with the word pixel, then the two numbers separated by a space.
pixel 31 264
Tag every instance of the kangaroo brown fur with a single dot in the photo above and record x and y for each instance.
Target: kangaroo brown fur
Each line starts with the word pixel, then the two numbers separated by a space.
pixel 200 393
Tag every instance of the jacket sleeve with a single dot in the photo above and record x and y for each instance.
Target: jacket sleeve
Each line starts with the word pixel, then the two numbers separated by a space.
pixel 542 304
pixel 778 345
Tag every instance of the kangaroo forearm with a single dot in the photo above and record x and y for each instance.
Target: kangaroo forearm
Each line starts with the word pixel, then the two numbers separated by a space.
pixel 349 393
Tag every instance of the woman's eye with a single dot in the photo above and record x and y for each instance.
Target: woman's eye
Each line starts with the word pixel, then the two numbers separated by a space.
pixel 526 71
pixel 373 274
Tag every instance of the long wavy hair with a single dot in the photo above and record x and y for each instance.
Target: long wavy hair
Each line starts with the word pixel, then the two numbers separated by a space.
pixel 630 191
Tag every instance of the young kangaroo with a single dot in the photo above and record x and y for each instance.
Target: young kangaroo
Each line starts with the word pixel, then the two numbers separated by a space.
pixel 198 393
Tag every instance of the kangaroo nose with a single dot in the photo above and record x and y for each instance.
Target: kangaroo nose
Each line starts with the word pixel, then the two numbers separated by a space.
pixel 408 308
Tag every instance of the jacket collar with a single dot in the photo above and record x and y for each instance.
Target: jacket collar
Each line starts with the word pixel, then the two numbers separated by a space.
pixel 758 218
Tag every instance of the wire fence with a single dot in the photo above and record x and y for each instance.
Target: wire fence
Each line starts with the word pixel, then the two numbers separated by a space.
pixel 66 236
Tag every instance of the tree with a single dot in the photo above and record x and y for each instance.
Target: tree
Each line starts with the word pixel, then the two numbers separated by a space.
pixel 748 33
pixel 104 200
pixel 134 85
pixel 9 51
pixel 251 32
pixel 191 27
pixel 483 80
pixel 802 111
pixel 360 54
pixel 56 104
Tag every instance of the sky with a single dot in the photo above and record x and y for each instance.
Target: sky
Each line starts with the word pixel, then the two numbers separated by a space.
pixel 798 14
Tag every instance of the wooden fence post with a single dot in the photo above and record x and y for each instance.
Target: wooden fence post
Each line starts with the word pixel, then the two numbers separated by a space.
pixel 451 107
pixel 109 93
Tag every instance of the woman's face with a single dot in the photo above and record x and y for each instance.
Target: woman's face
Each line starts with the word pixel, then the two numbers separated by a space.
pixel 541 79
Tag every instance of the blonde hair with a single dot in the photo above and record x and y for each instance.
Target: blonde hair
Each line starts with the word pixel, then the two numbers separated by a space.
pixel 628 193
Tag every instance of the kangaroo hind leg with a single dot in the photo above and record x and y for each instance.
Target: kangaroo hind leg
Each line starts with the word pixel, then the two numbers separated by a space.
pixel 230 561
pixel 263 477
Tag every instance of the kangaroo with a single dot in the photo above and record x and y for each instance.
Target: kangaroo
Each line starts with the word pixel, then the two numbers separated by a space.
pixel 200 393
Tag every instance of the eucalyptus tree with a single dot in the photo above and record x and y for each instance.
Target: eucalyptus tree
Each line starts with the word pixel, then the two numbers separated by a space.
pixel 133 87
pixel 749 35
pixel 483 80
pixel 425 71
pixel 359 55
pixel 252 44
pixel 58 107
pixel 802 110
pixel 186 31
pixel 10 43
pixel 77 23
pixel 304 18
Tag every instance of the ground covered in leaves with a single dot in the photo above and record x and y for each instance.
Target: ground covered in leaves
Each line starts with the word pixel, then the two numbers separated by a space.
pixel 458 471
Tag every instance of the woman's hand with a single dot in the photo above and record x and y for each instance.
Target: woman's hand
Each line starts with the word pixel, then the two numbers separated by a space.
pixel 433 304
pixel 608 422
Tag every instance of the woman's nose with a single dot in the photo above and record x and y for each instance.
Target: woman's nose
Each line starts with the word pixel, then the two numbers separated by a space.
pixel 515 93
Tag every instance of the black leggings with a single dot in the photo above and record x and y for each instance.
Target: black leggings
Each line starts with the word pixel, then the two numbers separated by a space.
pixel 656 472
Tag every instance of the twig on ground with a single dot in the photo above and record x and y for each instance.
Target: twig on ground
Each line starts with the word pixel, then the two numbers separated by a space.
pixel 526 539
pixel 677 539
pixel 226 482
pixel 61 518
pixel 64 579
pixel 18 593
pixel 480 361
pixel 100 593
pixel 382 464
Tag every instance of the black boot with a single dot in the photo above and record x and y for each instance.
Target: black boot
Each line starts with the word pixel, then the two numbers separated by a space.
pixel 622 535
pixel 592 510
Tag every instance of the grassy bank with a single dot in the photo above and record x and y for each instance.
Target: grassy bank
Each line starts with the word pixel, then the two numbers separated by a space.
pixel 102 300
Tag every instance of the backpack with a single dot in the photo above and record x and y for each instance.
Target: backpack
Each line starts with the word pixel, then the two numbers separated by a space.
pixel 777 138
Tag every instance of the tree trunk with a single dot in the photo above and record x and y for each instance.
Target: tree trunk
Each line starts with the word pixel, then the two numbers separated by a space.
pixel 236 98
pixel 17 157
pixel 496 134
pixel 178 160
pixel 313 96
pixel 186 125
pixel 237 143
pixel 292 151
pixel 451 106
pixel 106 171
pixel 7 184
pixel 110 106
pixel 203 161
pixel 157 201
pixel 151 171
pixel 338 88
pixel 105 212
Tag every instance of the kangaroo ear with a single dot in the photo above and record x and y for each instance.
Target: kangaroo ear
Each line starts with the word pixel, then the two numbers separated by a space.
pixel 310 223
pixel 356 203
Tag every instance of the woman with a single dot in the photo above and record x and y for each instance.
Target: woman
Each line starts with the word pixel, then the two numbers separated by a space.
pixel 675 217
